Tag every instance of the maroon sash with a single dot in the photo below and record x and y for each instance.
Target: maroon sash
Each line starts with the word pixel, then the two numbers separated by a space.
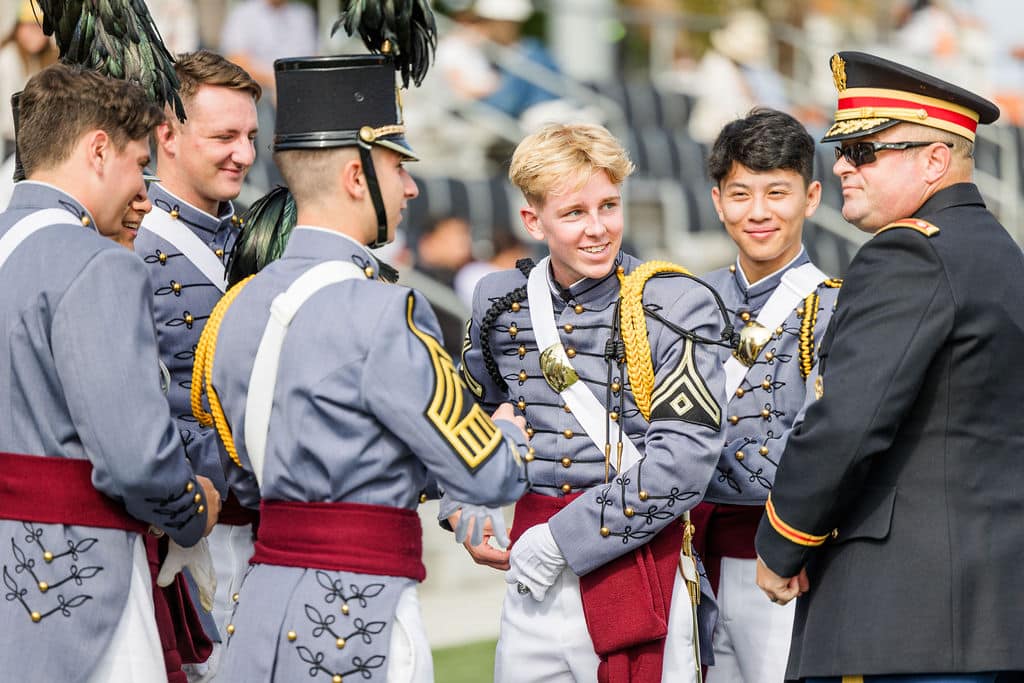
pixel 631 642
pixel 724 531
pixel 350 537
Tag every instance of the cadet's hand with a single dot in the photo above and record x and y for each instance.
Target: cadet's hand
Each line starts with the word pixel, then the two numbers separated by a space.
pixel 212 502
pixel 483 553
pixel 781 589
pixel 506 412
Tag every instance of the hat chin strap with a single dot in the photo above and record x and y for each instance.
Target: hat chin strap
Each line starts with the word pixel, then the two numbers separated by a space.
pixel 378 201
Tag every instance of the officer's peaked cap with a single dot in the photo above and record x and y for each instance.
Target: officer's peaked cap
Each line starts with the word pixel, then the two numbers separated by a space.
pixel 875 94
pixel 338 101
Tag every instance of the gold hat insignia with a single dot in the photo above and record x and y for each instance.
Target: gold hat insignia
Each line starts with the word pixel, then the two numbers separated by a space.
pixel 839 72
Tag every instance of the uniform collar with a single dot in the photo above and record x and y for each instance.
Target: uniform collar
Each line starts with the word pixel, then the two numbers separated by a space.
pixel 201 223
pixel 961 194
pixel 589 290
pixel 33 194
pixel 321 244
pixel 766 285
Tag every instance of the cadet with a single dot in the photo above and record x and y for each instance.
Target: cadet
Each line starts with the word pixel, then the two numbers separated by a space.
pixel 336 427
pixel 91 458
pixel 617 456
pixel 201 163
pixel 762 167
pixel 896 509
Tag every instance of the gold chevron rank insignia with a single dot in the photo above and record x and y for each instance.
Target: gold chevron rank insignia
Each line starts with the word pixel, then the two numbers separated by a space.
pixel 452 410
pixel 684 395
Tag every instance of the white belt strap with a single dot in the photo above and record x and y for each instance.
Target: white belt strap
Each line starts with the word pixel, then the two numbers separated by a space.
pixel 29 225
pixel 263 379
pixel 591 415
pixel 182 238
pixel 796 284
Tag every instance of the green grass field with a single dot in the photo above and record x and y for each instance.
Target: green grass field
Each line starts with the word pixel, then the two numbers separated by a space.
pixel 472 663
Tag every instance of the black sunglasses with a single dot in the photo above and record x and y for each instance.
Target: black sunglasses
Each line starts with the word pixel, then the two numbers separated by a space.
pixel 860 153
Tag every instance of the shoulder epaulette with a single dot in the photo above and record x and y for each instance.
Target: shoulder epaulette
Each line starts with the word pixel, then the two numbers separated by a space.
pixel 922 226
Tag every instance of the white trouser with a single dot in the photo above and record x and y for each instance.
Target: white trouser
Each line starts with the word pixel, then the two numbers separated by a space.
pixel 230 549
pixel 134 654
pixel 548 640
pixel 752 636
pixel 409 658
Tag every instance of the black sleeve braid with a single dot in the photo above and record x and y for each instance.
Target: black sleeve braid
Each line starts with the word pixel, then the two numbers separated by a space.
pixel 497 308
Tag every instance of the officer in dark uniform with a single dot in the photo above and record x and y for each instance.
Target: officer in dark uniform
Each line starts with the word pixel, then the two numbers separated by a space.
pixel 896 511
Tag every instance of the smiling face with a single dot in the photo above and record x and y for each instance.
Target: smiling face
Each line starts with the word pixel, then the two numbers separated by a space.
pixel 139 206
pixel 582 226
pixel 204 160
pixel 764 212
pixel 122 183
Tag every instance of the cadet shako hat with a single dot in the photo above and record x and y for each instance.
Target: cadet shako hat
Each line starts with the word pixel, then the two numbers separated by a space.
pixel 338 101
pixel 875 94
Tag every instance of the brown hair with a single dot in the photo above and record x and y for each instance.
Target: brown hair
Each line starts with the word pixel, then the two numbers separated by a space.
pixel 562 152
pixel 202 67
pixel 62 102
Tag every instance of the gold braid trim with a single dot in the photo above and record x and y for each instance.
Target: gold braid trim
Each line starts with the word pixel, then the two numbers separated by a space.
pixel 833 283
pixel 202 373
pixel 807 324
pixel 634 329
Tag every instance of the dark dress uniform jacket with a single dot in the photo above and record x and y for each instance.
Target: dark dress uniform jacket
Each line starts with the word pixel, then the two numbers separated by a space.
pixel 905 483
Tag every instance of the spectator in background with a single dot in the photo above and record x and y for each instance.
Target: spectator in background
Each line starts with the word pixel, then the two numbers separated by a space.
pixel 445 246
pixel 933 35
pixel 178 24
pixel 256 32
pixel 735 75
pixel 24 50
pixel 506 249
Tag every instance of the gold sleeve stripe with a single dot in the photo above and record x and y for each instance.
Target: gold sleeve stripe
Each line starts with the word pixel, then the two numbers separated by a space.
pixel 462 424
pixel 807 324
pixel 924 227
pixel 788 532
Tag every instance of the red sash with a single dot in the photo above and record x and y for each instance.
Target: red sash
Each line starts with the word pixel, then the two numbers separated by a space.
pixel 631 642
pixel 350 537
pixel 233 513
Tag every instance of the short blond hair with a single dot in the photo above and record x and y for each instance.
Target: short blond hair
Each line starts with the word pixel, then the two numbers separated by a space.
pixel 545 160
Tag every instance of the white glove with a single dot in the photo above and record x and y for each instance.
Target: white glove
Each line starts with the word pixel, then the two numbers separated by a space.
pixel 479 515
pixel 536 562
pixel 200 565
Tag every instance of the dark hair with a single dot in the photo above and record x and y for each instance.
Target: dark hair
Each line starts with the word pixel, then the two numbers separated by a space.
pixel 764 140
pixel 63 101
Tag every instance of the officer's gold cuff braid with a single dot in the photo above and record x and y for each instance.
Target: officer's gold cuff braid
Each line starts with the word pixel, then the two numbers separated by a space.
pixel 202 374
pixel 634 329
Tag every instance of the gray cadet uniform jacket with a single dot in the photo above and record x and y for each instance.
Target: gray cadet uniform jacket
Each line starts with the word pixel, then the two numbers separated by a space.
pixel 774 392
pixel 182 300
pixel 680 444
pixel 352 422
pixel 78 373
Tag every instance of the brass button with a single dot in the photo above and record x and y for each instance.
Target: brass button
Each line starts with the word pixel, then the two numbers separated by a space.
pixel 344 608
pixel 800 312
pixel 766 384
pixel 189 319
pixel 201 509
pixel 85 221
pixel 766 413
pixel 230 629
pixel 769 356
pixel 48 557
pixel 531 453
pixel 522 375
pixel 197 498
pixel 571 352
pixel 189 486
pixel 336 678
pixel 740 391
pixel 779 331
pixel 43 586
pixel 740 455
pixel 529 432
pixel 616 387
pixel 174 213
pixel 423 498
pixel 36 617
pixel 643 495
pixel 219 253
pixel 369 271
pixel 234 597
pixel 629 512
pixel 606 532
pixel 340 643
pixel 732 268
pixel 162 258
pixel 566 488
pixel 834 534
pixel 234 220
pixel 613 416
pixel 566 408
pixel 521 350
pixel 176 287
pixel 516 306
pixel 745 316
pixel 521 405
pixel 292 635
pixel 734 419
pixel 763 450
pixel 567 433
pixel 566 462
pixel 578 309
pixel 568 328
pixel 513 330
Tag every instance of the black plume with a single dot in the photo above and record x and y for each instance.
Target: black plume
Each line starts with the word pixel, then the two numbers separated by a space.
pixel 117 38
pixel 266 227
pixel 404 29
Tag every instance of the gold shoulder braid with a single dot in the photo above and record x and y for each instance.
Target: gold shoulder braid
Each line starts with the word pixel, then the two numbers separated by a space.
pixel 634 329
pixel 833 283
pixel 807 323
pixel 202 373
